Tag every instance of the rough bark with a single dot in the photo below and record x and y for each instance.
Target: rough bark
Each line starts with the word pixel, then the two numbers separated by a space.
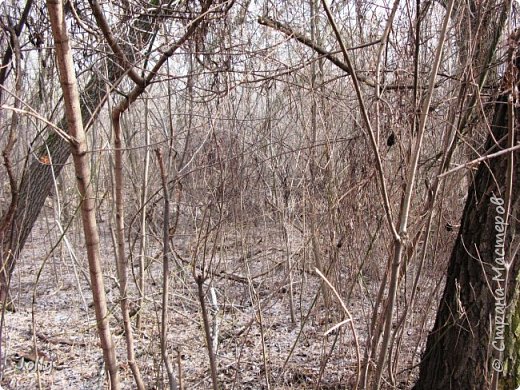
pixel 459 352
pixel 511 376
pixel 37 180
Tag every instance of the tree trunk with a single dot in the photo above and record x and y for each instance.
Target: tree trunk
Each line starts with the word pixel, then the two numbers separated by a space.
pixel 463 349
pixel 88 208
pixel 511 375
pixel 38 179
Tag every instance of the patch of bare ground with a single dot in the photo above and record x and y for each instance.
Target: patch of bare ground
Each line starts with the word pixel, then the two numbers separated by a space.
pixel 259 345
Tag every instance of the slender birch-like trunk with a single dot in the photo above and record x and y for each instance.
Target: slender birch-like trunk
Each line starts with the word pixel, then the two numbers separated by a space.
pixel 79 152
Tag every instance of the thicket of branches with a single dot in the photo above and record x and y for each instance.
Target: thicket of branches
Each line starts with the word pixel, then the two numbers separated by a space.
pixel 235 149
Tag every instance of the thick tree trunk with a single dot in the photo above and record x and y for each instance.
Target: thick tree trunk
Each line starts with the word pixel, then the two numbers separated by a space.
pixel 511 376
pixel 463 349
pixel 38 180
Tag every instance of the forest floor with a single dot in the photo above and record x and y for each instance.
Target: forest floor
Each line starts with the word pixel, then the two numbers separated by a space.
pixel 259 345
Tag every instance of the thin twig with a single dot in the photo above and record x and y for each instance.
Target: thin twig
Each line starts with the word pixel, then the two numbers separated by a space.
pixel 350 320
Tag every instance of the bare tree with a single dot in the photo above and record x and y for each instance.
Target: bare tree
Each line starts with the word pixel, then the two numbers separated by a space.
pixel 342 136
pixel 472 344
pixel 81 166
